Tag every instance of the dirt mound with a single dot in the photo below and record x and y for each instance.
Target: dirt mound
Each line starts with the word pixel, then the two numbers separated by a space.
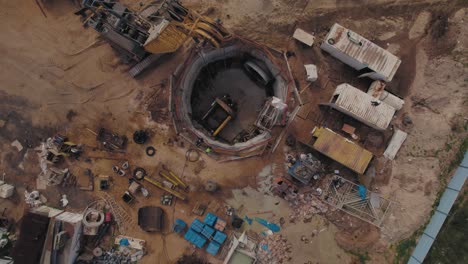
pixel 359 239
pixel 191 259
pixel 443 35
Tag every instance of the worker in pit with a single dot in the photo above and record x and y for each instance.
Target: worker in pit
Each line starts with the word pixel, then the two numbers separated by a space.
pixel 208 150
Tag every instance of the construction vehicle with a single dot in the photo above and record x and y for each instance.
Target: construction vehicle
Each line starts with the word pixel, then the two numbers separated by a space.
pixel 162 27
pixel 221 111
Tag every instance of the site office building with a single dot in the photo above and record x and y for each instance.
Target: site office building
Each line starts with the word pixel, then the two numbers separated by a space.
pixel 361 54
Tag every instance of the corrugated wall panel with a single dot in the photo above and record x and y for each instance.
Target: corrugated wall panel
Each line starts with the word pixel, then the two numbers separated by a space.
pixel 446 202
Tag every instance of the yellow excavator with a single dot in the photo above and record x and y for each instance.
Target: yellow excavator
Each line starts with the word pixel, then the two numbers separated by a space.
pixel 161 27
pixel 172 24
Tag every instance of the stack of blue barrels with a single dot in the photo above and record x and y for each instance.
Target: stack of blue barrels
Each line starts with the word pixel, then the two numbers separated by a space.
pixel 199 233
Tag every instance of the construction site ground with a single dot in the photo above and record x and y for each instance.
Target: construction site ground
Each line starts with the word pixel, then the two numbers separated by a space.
pixel 57 77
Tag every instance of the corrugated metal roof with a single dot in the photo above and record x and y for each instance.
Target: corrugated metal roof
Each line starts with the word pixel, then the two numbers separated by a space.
pixel 70 217
pixel 465 162
pixel 458 178
pixel 424 245
pixel 46 210
pixel 361 49
pixel 435 224
pixel 359 104
pixel 447 200
pixel 413 261
pixel 341 150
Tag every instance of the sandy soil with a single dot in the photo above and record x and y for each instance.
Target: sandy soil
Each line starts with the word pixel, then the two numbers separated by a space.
pixel 49 70
pixel 311 240
pixel 434 133
pixel 52 68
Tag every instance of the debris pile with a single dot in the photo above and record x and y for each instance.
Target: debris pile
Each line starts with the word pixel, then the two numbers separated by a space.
pixel 51 153
pixel 111 141
pixel 56 148
pixel 305 206
pixel 274 249
pixel 116 256
pixel 32 198
pixel 304 167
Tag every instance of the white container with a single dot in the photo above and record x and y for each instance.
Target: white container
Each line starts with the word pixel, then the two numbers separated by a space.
pixel 311 70
pixel 304 37
pixel 6 190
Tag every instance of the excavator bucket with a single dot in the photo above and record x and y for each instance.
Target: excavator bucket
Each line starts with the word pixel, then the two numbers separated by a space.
pixel 165 37
pixel 179 24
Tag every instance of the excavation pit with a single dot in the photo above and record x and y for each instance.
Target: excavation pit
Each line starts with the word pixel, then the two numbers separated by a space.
pixel 222 99
pixel 228 79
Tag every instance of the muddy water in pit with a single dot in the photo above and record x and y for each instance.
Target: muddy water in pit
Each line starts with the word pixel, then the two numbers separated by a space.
pixel 216 80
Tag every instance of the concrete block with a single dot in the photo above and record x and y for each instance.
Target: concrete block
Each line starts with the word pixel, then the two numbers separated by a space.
pixel 304 37
pixel 311 70
pixel 6 190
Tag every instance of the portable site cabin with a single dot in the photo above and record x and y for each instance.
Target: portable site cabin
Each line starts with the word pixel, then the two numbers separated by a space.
pixel 361 106
pixel 340 149
pixel 65 244
pixel 360 53
pixel 47 235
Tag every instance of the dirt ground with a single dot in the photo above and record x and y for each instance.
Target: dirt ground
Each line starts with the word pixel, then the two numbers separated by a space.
pixel 57 77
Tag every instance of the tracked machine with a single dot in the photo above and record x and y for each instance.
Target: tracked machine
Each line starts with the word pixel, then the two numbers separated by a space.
pixel 160 28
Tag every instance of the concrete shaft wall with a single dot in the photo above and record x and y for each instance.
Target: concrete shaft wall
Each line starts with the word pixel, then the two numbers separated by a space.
pixel 187 77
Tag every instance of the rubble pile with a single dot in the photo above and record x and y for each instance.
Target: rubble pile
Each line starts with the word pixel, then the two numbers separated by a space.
pixel 51 153
pixel 304 167
pixel 274 249
pixel 305 206
pixel 123 256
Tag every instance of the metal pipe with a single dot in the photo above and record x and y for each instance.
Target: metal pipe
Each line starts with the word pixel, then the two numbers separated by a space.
pixel 160 186
pixel 225 122
pixel 177 179
pixel 169 178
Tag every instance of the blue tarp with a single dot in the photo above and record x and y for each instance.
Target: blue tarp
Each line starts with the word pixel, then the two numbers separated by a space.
pixel 207 231
pixel 219 237
pixel 195 238
pixel 197 225
pixel 210 219
pixel 213 248
pixel 179 225
pixel 248 220
pixel 362 191
pixel 124 242
pixel 272 226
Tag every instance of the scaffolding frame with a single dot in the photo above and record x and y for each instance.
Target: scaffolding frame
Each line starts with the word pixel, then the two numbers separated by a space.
pixel 345 197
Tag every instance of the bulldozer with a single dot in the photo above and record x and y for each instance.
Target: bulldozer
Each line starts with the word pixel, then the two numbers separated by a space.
pixel 160 28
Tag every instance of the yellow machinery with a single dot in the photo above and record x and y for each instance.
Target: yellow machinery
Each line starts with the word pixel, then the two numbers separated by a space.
pixel 140 174
pixel 174 179
pixel 161 27
pixel 218 109
pixel 161 186
pixel 172 24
